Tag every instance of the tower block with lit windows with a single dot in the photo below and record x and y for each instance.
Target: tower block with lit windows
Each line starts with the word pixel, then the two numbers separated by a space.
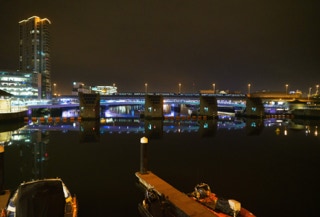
pixel 34 53
pixel 89 104
pixel 153 107
pixel 208 107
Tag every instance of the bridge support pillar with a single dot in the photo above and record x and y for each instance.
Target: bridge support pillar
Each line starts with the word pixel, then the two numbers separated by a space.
pixel 153 107
pixel 254 107
pixel 89 106
pixel 208 106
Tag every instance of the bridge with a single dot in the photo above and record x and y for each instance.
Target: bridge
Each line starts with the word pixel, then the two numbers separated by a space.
pixel 171 102
pixel 270 102
pixel 138 98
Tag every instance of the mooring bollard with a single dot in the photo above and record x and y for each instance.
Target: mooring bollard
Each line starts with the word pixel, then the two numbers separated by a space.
pixel 143 155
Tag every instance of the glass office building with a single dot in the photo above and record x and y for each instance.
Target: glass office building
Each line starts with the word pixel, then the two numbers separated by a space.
pixel 34 53
pixel 20 84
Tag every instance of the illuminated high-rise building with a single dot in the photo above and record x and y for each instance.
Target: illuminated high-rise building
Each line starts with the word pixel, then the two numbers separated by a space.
pixel 34 53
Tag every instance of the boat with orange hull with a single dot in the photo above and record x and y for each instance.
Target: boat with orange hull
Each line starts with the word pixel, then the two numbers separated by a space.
pixel 219 206
pixel 156 205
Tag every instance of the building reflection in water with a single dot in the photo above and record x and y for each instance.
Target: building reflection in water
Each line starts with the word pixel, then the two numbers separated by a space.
pixel 153 129
pixel 29 148
pixel 28 144
pixel 208 128
pixel 254 126
pixel 31 152
pixel 90 131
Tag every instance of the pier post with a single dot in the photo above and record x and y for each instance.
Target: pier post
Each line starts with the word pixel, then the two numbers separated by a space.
pixel 1 169
pixel 143 155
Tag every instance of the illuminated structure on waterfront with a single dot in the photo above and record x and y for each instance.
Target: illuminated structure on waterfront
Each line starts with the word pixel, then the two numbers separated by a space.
pixel 104 90
pixel 80 87
pixel 19 84
pixel 34 53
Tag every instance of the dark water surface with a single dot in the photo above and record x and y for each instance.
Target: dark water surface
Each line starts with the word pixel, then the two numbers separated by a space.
pixel 270 173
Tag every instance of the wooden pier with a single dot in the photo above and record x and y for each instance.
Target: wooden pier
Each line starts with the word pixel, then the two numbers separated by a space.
pixel 181 201
pixel 4 199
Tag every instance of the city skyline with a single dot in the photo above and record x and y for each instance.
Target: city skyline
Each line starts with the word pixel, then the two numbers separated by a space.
pixel 174 46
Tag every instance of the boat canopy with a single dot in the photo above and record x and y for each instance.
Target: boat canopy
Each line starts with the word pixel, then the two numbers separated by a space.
pixel 41 198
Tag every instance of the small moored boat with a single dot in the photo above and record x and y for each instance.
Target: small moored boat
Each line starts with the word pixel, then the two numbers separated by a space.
pixel 219 206
pixel 155 205
pixel 44 197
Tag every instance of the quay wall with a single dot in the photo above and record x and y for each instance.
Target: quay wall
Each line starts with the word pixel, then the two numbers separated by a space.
pixel 13 116
pixel 306 113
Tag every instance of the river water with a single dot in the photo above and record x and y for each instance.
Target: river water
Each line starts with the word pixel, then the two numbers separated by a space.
pixel 271 166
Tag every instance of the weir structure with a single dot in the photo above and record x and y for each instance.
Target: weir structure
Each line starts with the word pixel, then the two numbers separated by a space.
pixel 159 105
pixel 154 107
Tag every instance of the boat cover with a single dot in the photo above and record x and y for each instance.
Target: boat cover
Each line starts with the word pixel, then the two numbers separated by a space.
pixel 40 198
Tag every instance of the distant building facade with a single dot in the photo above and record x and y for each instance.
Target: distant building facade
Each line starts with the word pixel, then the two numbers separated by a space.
pixel 19 84
pixel 104 90
pixel 80 87
pixel 34 53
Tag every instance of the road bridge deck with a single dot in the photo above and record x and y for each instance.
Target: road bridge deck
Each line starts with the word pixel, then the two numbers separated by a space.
pixel 180 200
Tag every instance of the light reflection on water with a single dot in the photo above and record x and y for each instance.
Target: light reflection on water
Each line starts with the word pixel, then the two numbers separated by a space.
pixel 264 164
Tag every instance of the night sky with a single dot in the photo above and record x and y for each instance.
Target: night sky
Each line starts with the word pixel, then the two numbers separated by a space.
pixel 163 43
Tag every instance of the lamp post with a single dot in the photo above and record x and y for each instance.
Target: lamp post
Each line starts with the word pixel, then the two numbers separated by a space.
pixel 214 88
pixel 317 89
pixel 310 88
pixel 146 87
pixel 287 88
pixel 249 86
pixel 144 155
pixel 54 89
pixel 179 88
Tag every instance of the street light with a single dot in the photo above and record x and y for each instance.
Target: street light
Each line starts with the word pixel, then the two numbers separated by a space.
pixel 317 86
pixel 54 89
pixel 249 85
pixel 214 88
pixel 146 87
pixel 179 88
pixel 287 88
pixel 310 88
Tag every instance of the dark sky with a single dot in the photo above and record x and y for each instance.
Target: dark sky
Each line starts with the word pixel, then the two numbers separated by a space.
pixel 166 42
